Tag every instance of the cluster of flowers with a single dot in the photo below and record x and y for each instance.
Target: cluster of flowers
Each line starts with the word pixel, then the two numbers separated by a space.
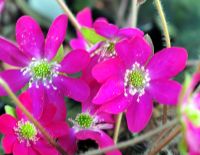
pixel 119 73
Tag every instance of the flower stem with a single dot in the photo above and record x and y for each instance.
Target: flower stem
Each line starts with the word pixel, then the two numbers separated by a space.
pixel 134 141
pixel 134 16
pixel 117 128
pixel 70 14
pixel 168 43
pixel 31 118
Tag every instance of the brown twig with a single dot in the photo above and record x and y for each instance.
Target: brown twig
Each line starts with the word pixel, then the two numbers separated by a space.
pixel 37 124
pixel 133 141
pixel 69 14
pixel 165 141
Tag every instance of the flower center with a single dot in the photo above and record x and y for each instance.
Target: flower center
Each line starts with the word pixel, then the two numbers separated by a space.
pixel 136 80
pixel 84 120
pixel 41 71
pixel 26 131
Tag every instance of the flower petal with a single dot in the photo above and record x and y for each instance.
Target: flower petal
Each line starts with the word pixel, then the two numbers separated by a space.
pixel 139 114
pixel 75 61
pixel 29 37
pixel 74 88
pixel 78 43
pixel 7 123
pixel 165 91
pixel 167 63
pixel 105 29
pixel 44 148
pixel 104 70
pixel 8 142
pixel 58 129
pixel 84 17
pixel 55 37
pixel 20 148
pixel 133 50
pixel 102 139
pixel 109 90
pixel 9 53
pixel 130 32
pixel 116 106
pixel 15 79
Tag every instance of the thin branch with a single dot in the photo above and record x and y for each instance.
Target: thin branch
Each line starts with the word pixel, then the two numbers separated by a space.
pixel 69 14
pixel 31 118
pixel 165 141
pixel 133 141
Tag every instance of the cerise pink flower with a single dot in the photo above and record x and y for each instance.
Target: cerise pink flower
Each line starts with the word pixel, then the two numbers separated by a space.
pixel 136 77
pixel 22 137
pixel 34 60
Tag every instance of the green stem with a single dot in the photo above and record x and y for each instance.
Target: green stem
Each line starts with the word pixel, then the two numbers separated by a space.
pixel 31 118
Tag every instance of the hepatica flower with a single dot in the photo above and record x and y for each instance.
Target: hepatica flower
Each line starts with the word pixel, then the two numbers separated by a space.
pixel 89 124
pixel 2 3
pixel 21 137
pixel 34 59
pixel 136 77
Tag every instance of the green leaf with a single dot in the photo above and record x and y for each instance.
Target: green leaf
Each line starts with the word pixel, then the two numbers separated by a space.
pixel 10 110
pixel 60 54
pixel 91 36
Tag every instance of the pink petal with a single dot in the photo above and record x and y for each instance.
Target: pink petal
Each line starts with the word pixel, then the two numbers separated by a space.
pixel 2 3
pixel 74 88
pixel 84 17
pixel 29 37
pixel 78 43
pixel 133 50
pixel 130 32
pixel 165 91
pixel 102 139
pixel 116 106
pixel 167 63
pixel 8 142
pixel 25 98
pixel 139 114
pixel 7 123
pixel 68 142
pixel 55 37
pixel 44 148
pixel 75 61
pixel 20 149
pixel 58 129
pixel 105 29
pixel 9 53
pixel 15 79
pixel 109 90
pixel 32 151
pixel 104 70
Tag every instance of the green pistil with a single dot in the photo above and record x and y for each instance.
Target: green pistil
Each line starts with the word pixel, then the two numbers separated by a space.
pixel 193 114
pixel 136 79
pixel 42 69
pixel 27 131
pixel 84 120
pixel 111 47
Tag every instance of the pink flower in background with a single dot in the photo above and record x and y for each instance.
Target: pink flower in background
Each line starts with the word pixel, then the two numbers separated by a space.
pixel 2 3
pixel 21 137
pixel 112 34
pixel 190 116
pixel 136 77
pixel 89 124
pixel 35 63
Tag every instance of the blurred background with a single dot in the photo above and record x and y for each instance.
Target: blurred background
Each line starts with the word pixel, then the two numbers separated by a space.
pixel 183 18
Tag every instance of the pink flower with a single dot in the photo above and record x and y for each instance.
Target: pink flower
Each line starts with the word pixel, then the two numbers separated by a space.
pixel 136 77
pixel 2 3
pixel 190 116
pixel 22 137
pixel 112 34
pixel 34 60
pixel 89 124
